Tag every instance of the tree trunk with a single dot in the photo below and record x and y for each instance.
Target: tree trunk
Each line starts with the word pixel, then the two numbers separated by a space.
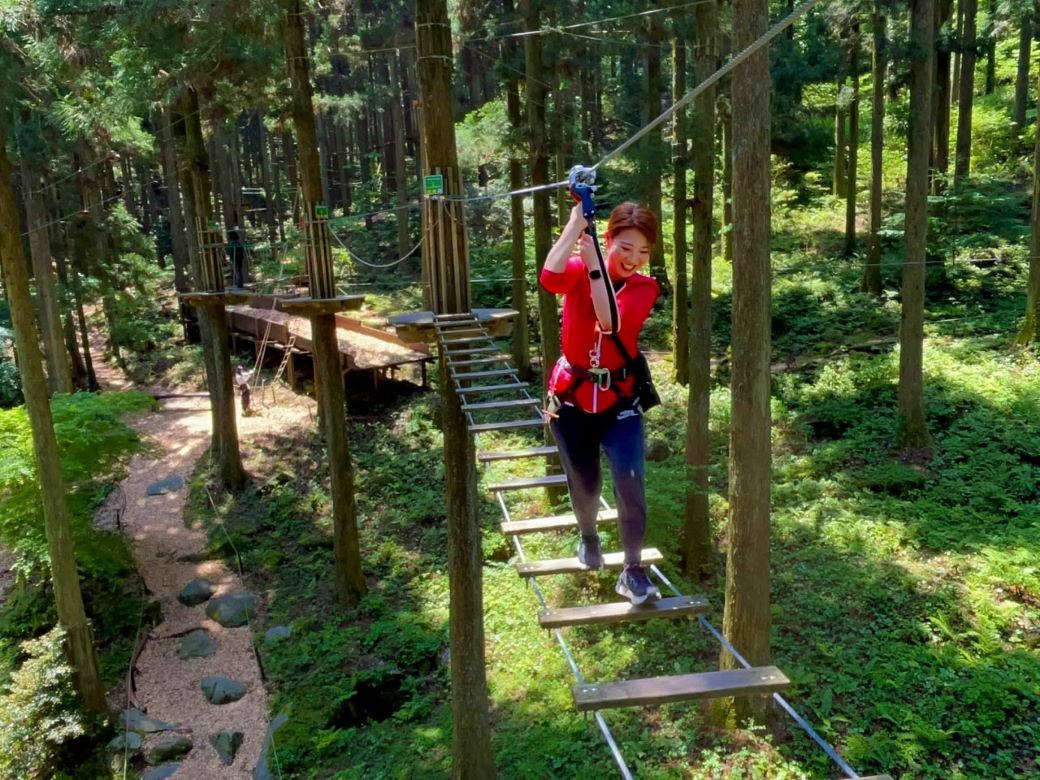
pixel 178 239
pixel 1030 332
pixel 958 59
pixel 962 165
pixel 941 101
pixel 746 620
pixel 727 180
pixel 289 151
pixel 349 576
pixel 680 161
pixel 471 728
pixel 913 431
pixel 272 212
pixel 79 643
pixel 872 273
pixel 520 349
pixel 840 142
pixel 851 187
pixel 59 377
pixel 991 47
pixel 653 146
pixel 212 319
pixel 539 174
pixel 80 377
pixel 400 174
pixel 698 551
pixel 1025 42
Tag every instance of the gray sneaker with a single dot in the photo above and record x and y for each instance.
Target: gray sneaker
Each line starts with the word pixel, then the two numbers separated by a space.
pixel 635 586
pixel 588 552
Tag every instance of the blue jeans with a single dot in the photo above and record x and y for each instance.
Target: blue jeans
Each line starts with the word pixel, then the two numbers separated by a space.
pixel 580 436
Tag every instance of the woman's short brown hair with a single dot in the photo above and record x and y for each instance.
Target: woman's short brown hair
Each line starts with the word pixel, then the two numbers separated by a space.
pixel 633 215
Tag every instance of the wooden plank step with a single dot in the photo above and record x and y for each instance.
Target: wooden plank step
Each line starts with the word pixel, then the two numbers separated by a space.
pixel 530 482
pixel 680 687
pixel 477 361
pixel 510 404
pixel 466 340
pixel 613 560
pixel 553 523
pixel 462 322
pixel 506 426
pixel 459 315
pixel 530 452
pixel 623 611
pixel 450 353
pixel 492 388
pixel 483 374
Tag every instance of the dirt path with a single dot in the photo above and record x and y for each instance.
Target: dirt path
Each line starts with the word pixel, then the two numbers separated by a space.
pixel 168 688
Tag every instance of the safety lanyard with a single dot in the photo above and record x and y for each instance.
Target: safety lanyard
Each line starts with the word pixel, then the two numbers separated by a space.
pixel 582 188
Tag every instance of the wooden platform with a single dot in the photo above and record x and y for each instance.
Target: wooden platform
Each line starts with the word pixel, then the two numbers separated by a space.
pixel 683 687
pixel 419 325
pixel 553 523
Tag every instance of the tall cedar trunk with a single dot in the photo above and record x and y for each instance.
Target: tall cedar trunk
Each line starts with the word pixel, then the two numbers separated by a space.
pixel 680 161
pixel 698 551
pixel 471 727
pixel 851 187
pixel 991 47
pixel 59 376
pixel 872 273
pixel 322 136
pixel 962 166
pixel 840 142
pixel 520 349
pixel 654 150
pixel 941 100
pixel 957 58
pixel 746 620
pixel 727 179
pixel 1030 332
pixel 349 576
pixel 277 205
pixel 127 187
pixel 79 368
pixel 212 319
pixel 79 644
pixel 178 239
pixel 400 174
pixel 913 431
pixel 539 174
pixel 271 211
pixel 292 169
pixel 78 261
pixel 92 196
pixel 1025 42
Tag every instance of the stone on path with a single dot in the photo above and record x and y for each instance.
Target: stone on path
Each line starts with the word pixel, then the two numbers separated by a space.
pixel 226 743
pixel 200 643
pixel 172 746
pixel 195 592
pixel 277 633
pixel 262 771
pixel 135 720
pixel 164 486
pixel 222 690
pixel 161 772
pixel 128 740
pixel 232 610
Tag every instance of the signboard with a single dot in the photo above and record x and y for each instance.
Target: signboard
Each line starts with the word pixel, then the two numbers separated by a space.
pixel 321 211
pixel 433 185
pixel 214 226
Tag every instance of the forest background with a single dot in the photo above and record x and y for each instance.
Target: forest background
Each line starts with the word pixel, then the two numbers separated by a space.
pixel 905 593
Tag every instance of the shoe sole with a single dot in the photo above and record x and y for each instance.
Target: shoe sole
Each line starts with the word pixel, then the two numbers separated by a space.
pixel 653 593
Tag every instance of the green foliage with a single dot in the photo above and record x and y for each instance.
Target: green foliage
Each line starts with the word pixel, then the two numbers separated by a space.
pixel 92 443
pixel 38 710
pixel 10 385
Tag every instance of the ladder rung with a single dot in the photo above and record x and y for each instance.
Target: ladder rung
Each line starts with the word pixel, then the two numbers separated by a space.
pixel 614 560
pixel 476 350
pixel 532 452
pixel 500 404
pixel 524 483
pixel 506 426
pixel 491 388
pixel 553 523
pixel 477 361
pixel 484 374
pixel 621 612
pixel 680 687
pixel 457 315
pixel 467 340
pixel 468 322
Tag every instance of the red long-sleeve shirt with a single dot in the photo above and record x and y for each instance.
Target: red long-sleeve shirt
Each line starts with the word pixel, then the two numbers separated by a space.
pixel 581 334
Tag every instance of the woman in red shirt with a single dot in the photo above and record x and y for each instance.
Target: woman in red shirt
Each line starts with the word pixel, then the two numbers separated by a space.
pixel 591 394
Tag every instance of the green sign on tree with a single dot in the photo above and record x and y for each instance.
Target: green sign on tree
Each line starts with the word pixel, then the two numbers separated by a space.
pixel 433 185
pixel 321 211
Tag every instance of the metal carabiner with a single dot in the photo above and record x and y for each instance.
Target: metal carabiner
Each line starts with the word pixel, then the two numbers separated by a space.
pixel 582 187
pixel 601 376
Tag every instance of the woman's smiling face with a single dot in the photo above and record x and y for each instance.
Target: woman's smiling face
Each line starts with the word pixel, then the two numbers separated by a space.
pixel 627 251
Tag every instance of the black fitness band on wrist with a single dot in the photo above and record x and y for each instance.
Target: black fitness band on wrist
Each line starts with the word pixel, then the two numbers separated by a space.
pixel 595 273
